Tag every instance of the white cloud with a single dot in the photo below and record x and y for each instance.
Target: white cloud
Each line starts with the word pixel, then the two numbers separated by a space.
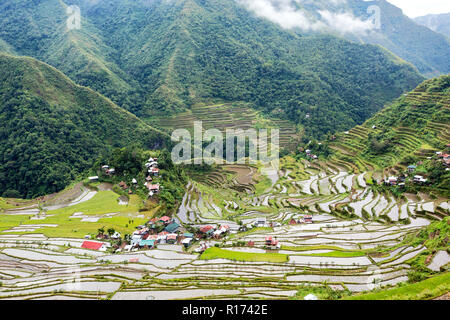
pixel 416 8
pixel 287 16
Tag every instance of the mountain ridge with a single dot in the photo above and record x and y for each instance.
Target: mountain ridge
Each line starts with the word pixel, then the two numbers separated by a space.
pixel 437 22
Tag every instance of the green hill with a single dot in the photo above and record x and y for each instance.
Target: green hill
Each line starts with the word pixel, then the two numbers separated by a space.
pixel 53 129
pixel 436 22
pixel 157 57
pixel 413 128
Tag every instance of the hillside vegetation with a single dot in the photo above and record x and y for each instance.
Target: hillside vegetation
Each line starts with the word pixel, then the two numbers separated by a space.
pixel 53 129
pixel 410 130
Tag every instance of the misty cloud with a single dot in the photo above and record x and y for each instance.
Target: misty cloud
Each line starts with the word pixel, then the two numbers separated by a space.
pixel 288 16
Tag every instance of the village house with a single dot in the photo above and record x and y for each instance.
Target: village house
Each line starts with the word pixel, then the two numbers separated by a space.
pixel 271 243
pixel 275 224
pixel 224 229
pixel 162 237
pixel 261 222
pixel 153 188
pixel 187 242
pixel 412 168
pixel 172 227
pixel 91 245
pixel 392 181
pixel 150 244
pixel 123 185
pixel 308 219
pixel 154 171
pixel 93 179
pixel 116 236
pixel 420 179
pixel 172 238
pixel 446 160
pixel 166 220
pixel 207 230
pixel 188 235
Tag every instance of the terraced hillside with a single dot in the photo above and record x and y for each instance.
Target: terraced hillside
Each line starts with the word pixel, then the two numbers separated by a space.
pixel 416 125
pixel 229 116
pixel 355 244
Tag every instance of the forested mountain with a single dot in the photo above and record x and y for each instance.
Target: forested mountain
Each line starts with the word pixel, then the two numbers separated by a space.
pixel 376 22
pixel 436 22
pixel 52 129
pixel 410 130
pixel 427 50
pixel 159 57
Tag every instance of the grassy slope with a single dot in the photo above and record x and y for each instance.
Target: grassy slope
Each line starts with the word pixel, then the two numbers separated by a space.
pixel 427 289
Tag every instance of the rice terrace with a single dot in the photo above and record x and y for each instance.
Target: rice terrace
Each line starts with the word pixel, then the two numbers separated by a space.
pixel 135 140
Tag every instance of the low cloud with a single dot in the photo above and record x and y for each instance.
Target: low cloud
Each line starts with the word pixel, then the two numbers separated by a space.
pixel 284 13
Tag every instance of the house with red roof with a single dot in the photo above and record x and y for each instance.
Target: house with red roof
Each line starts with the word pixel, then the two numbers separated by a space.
pixel 206 229
pixel 165 219
pixel 154 171
pixel 272 244
pixel 172 238
pixel 92 245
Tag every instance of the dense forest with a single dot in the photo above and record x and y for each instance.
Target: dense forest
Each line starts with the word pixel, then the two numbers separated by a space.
pixel 52 130
pixel 154 58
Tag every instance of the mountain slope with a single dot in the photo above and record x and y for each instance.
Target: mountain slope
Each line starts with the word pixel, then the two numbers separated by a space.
pixel 409 130
pixel 159 57
pixel 375 22
pixel 427 50
pixel 436 22
pixel 53 129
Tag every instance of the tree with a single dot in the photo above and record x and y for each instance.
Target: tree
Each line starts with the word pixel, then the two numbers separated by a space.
pixel 10 193
pixel 111 231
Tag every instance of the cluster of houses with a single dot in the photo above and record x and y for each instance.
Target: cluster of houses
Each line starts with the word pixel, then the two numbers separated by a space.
pixel 444 157
pixel 152 170
pixel 418 179
pixel 148 237
pixel 400 181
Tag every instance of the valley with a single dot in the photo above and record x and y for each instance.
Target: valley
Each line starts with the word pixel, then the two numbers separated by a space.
pixel 359 240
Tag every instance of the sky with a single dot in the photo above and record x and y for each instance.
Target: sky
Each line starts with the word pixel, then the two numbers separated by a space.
pixel 417 8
